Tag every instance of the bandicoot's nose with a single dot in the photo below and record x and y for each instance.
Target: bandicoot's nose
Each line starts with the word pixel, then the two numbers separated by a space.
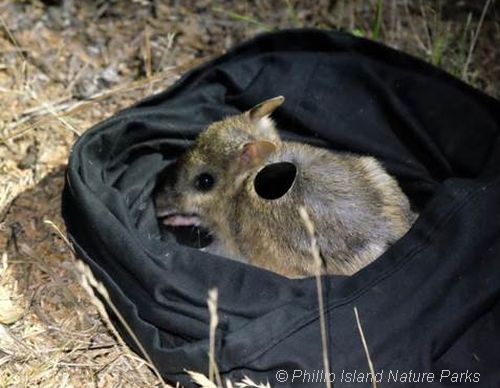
pixel 164 203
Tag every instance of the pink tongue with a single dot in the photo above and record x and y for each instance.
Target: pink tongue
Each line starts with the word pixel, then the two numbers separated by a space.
pixel 179 220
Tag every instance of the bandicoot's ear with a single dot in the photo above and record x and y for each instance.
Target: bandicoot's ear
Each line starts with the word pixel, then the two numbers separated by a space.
pixel 265 108
pixel 253 154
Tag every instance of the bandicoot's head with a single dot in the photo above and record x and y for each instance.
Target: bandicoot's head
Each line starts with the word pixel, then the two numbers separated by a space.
pixel 201 184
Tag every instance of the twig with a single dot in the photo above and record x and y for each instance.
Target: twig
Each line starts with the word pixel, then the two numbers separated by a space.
pixel 147 57
pixel 365 347
pixel 213 372
pixel 474 39
pixel 318 262
pixel 426 26
pixel 50 109
pixel 243 18
pixel 416 35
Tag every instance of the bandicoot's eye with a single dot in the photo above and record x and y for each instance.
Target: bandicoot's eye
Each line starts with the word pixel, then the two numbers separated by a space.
pixel 204 182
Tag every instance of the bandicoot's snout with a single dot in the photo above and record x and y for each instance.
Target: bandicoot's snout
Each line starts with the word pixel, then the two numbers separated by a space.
pixel 163 206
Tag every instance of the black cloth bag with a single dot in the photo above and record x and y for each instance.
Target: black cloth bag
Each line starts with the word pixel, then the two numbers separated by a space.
pixel 429 304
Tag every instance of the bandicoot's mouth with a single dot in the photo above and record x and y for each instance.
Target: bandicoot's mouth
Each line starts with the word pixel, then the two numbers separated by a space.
pixel 179 219
pixel 187 228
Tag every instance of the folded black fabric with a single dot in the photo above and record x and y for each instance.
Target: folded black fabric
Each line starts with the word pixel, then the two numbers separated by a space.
pixel 429 304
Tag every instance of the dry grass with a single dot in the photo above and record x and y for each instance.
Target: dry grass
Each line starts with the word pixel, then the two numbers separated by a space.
pixel 319 288
pixel 365 348
pixel 65 68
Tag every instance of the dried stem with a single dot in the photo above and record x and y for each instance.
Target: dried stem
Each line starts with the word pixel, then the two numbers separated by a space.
pixel 365 347
pixel 317 261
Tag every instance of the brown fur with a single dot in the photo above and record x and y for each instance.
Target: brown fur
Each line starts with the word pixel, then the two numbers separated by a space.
pixel 358 210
